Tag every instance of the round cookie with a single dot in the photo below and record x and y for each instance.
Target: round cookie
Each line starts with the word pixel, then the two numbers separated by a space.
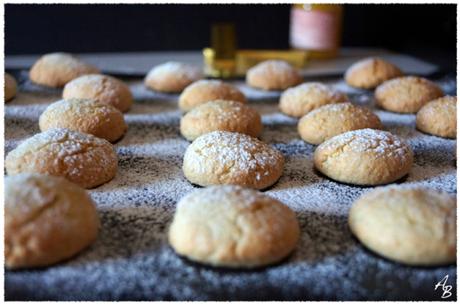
pixel 84 115
pixel 47 219
pixel 205 90
pixel 220 115
pixel 306 97
pixel 439 117
pixel 364 157
pixel 273 75
pixel 330 120
pixel 222 157
pixel 11 87
pixel 370 72
pixel 104 88
pixel 81 158
pixel 411 225
pixel 172 77
pixel 406 94
pixel 230 226
pixel 57 69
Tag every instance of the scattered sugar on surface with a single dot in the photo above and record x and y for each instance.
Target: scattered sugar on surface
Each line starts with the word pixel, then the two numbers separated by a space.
pixel 131 259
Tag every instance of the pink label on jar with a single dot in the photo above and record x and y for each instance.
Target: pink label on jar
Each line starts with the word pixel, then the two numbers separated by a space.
pixel 314 30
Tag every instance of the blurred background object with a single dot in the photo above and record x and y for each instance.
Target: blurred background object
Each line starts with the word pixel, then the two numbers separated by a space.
pixel 316 28
pixel 427 31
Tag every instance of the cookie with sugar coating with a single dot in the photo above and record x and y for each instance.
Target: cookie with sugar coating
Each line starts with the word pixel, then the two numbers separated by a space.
pixel 439 117
pixel 273 75
pixel 406 94
pixel 364 157
pixel 330 120
pixel 368 73
pixel 47 219
pixel 205 90
pixel 85 115
pixel 419 224
pixel 57 69
pixel 302 99
pixel 231 226
pixel 172 77
pixel 11 87
pixel 106 89
pixel 220 115
pixel 81 158
pixel 223 157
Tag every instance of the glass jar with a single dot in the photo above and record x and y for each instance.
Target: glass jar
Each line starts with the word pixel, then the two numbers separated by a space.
pixel 316 28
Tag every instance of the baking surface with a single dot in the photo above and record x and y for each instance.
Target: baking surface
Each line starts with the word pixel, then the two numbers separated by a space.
pixel 131 259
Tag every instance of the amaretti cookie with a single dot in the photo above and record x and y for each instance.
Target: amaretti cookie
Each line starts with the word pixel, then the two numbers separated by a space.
pixel 11 87
pixel 57 69
pixel 47 219
pixel 368 73
pixel 230 226
pixel 439 117
pixel 220 115
pixel 306 97
pixel 411 225
pixel 85 115
pixel 273 75
pixel 330 120
pixel 406 94
pixel 223 157
pixel 364 157
pixel 204 91
pixel 81 158
pixel 172 77
pixel 106 89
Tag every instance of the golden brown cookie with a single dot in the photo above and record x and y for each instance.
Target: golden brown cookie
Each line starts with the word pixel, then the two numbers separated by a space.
pixel 81 158
pixel 57 69
pixel 273 75
pixel 370 72
pixel 85 115
pixel 220 115
pixel 411 225
pixel 222 157
pixel 230 226
pixel 439 117
pixel 204 91
pixel 328 121
pixel 306 97
pixel 406 94
pixel 11 87
pixel 106 89
pixel 364 157
pixel 47 219
pixel 172 77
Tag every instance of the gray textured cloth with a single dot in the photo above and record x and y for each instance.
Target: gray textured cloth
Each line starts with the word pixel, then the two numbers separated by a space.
pixel 131 259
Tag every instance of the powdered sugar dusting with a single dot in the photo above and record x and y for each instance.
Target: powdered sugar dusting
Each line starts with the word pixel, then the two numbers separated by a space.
pixel 180 70
pixel 380 142
pixel 238 152
pixel 131 259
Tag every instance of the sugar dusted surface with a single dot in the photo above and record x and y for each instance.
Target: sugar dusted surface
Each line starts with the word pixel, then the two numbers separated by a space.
pixel 131 259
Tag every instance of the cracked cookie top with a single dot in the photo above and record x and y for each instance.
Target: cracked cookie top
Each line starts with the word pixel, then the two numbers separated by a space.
pixel 81 158
pixel 106 89
pixel 365 157
pixel 222 157
pixel 233 227
pixel 47 219
pixel 85 115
